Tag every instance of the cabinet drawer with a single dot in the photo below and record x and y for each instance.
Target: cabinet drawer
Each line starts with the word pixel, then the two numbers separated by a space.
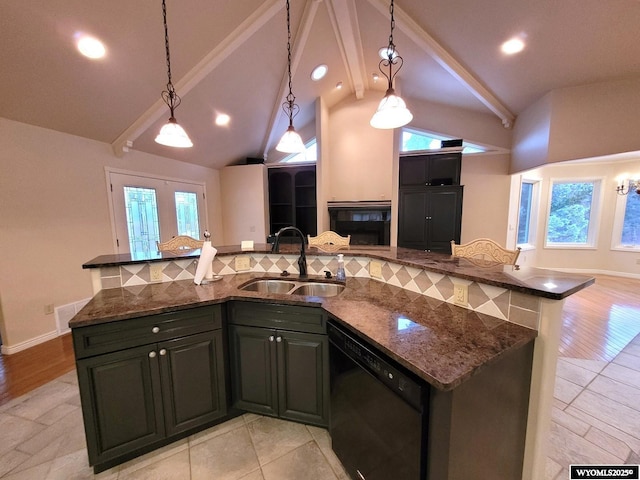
pixel 113 336
pixel 283 317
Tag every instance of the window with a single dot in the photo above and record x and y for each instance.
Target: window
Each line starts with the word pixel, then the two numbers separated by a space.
pixel 310 154
pixel 626 229
pixel 528 213
pixel 573 213
pixel 147 210
pixel 415 140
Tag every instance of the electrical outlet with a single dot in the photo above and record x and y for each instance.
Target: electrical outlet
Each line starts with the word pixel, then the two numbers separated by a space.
pixel 375 269
pixel 243 263
pixel 460 294
pixel 155 272
pixel 48 309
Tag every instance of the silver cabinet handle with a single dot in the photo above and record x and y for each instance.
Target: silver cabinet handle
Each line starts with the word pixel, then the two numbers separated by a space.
pixel 278 339
pixel 155 329
pixel 163 352
pixel 271 338
pixel 152 354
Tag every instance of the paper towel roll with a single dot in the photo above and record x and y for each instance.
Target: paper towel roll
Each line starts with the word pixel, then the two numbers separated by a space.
pixel 204 263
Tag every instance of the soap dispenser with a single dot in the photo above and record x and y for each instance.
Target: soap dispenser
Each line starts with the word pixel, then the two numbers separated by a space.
pixel 340 274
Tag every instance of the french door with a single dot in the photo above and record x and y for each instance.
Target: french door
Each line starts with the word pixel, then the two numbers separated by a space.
pixel 147 210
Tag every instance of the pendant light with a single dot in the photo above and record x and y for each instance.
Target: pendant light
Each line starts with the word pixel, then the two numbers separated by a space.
pixel 171 134
pixel 392 111
pixel 290 141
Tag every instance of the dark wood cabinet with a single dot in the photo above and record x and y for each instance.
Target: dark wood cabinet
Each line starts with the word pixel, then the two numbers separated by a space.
pixel 292 199
pixel 430 201
pixel 140 396
pixel 430 169
pixel 429 218
pixel 280 371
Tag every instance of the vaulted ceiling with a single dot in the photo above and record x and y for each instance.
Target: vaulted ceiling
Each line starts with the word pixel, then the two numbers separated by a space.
pixel 230 57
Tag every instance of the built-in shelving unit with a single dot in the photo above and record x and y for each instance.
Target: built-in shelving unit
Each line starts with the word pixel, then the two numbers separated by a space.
pixel 292 199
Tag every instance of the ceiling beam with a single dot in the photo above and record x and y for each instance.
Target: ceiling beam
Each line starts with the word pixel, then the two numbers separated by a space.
pixel 215 57
pixel 425 41
pixel 344 20
pixel 297 47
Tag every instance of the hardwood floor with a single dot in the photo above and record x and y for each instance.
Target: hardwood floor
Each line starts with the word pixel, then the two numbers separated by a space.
pixel 598 322
pixel 26 370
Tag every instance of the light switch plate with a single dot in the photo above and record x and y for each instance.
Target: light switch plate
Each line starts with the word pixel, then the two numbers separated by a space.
pixel 155 272
pixel 375 269
pixel 243 262
pixel 460 294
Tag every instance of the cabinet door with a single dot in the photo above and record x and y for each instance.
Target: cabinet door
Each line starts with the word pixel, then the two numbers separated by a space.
pixel 444 169
pixel 122 403
pixel 192 373
pixel 444 207
pixel 254 384
pixel 303 377
pixel 413 171
pixel 412 218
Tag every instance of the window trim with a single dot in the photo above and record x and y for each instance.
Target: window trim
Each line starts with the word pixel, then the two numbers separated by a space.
pixel 534 213
pixel 618 222
pixel 594 214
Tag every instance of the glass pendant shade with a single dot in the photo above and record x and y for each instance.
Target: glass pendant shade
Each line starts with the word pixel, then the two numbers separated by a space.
pixel 392 112
pixel 291 142
pixel 173 135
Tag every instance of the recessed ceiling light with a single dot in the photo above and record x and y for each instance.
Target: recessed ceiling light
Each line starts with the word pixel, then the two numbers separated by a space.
pixel 319 72
pixel 384 53
pixel 89 46
pixel 375 77
pixel 222 119
pixel 339 85
pixel 512 46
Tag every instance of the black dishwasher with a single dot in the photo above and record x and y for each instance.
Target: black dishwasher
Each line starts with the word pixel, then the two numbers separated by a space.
pixel 379 412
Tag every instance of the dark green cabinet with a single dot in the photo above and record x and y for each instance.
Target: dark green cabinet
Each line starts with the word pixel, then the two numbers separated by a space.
pixel 429 217
pixel 292 199
pixel 430 169
pixel 137 397
pixel 280 371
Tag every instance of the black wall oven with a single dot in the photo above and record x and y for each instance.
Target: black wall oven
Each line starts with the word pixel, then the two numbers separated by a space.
pixel 378 412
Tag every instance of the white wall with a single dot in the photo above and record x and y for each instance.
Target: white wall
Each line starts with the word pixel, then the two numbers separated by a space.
pixel 54 217
pixel 601 258
pixel 245 203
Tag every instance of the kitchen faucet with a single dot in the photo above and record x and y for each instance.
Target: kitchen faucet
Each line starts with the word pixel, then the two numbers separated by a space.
pixel 302 260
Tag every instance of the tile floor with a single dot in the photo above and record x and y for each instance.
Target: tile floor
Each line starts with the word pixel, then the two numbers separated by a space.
pixel 596 419
pixel 596 416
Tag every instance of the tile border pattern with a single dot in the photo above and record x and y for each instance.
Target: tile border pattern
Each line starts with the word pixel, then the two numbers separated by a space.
pixel 497 302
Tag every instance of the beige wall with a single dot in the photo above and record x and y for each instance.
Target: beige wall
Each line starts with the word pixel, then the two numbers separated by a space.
pixel 245 203
pixel 601 258
pixel 54 217
pixel 578 122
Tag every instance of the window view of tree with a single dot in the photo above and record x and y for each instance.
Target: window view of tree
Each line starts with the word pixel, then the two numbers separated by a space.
pixel 631 225
pixel 570 213
pixel 524 219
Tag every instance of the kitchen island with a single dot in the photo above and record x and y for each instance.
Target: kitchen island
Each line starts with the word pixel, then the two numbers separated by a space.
pixel 398 300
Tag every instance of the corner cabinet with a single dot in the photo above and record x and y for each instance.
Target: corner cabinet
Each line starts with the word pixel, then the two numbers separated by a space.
pixel 292 199
pixel 430 201
pixel 149 380
pixel 280 361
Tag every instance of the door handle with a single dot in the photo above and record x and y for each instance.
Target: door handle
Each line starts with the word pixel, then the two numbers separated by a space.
pixel 152 354
pixel 272 338
pixel 278 339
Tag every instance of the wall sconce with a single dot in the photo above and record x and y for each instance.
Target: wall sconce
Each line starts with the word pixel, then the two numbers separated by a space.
pixel 627 186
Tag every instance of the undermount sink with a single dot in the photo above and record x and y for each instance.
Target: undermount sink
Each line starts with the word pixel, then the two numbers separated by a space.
pixel 269 286
pixel 312 289
pixel 319 289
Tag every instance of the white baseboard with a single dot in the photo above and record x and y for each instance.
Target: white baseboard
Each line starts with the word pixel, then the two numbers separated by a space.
pixel 9 349
pixel 588 271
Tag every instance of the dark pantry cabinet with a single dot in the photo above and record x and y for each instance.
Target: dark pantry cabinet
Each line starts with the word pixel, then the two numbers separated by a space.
pixel 279 361
pixel 292 199
pixel 430 202
pixel 149 380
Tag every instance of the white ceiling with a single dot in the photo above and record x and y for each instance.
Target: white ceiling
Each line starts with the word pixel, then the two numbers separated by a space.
pixel 230 56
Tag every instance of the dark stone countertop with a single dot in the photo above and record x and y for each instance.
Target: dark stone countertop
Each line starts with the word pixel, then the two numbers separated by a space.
pixel 533 281
pixel 441 343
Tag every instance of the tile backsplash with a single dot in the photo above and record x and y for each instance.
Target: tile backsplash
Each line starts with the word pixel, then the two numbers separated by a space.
pixel 497 302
